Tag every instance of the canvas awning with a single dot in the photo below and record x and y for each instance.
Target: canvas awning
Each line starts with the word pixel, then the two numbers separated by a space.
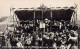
pixel 60 14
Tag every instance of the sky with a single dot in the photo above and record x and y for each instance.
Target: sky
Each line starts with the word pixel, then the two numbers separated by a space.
pixel 6 4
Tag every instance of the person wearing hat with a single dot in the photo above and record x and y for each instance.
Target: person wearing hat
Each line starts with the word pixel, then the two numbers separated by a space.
pixel 47 25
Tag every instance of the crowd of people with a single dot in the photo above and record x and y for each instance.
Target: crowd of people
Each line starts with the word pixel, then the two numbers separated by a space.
pixel 44 34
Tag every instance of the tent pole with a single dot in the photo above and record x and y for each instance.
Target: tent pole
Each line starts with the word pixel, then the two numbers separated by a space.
pixel 34 21
pixel 13 19
pixel 51 21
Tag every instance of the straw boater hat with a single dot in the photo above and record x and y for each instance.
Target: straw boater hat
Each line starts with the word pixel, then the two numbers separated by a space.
pixel 46 19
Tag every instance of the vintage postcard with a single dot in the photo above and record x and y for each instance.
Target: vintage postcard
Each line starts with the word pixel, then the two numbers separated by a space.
pixel 39 24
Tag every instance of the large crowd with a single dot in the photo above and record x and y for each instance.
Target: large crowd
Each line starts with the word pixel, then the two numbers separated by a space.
pixel 43 34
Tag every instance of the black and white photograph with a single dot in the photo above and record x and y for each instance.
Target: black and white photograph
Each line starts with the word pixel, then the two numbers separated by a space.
pixel 39 24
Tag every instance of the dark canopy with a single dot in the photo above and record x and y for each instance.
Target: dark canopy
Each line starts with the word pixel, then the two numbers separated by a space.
pixel 47 14
pixel 60 14
pixel 24 15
